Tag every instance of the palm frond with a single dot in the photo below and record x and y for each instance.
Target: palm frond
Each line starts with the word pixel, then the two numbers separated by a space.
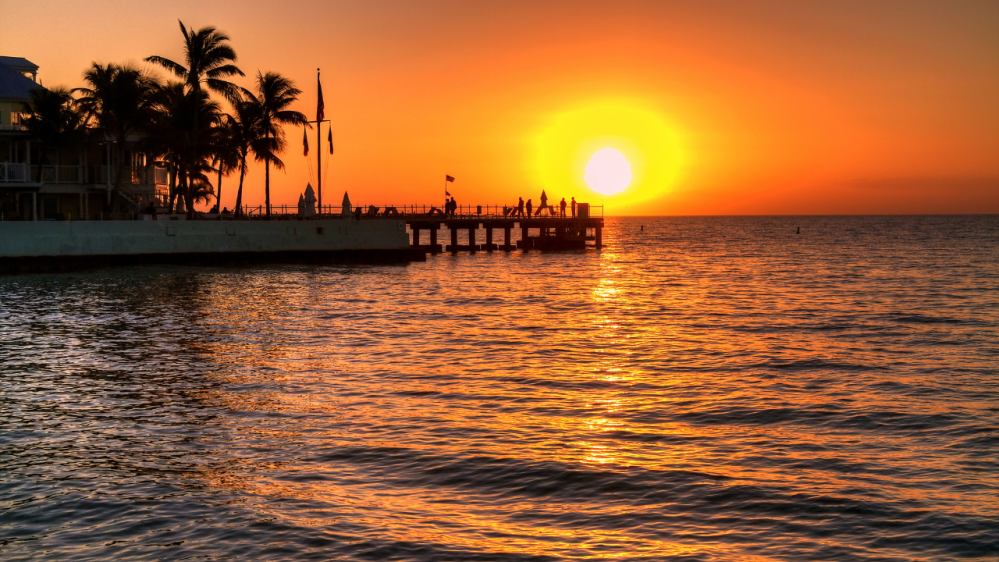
pixel 177 69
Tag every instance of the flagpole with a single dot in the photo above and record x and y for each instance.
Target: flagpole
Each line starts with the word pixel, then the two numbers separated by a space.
pixel 319 149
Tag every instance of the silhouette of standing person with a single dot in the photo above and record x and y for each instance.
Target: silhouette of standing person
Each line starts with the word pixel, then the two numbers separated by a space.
pixel 561 204
pixel 520 207
pixel 529 205
pixel 573 207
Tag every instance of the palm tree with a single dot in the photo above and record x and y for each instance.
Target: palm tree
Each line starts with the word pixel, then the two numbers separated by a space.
pixel 167 131
pixel 53 121
pixel 274 94
pixel 118 100
pixel 245 131
pixel 171 136
pixel 226 158
pixel 209 59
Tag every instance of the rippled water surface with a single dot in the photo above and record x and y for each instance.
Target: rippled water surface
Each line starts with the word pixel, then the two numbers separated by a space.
pixel 702 389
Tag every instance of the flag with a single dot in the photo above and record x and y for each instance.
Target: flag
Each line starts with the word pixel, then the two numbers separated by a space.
pixel 331 140
pixel 320 106
pixel 305 141
pixel 447 193
pixel 448 178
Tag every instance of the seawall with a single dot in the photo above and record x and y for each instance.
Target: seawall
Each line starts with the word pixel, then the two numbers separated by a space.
pixel 61 245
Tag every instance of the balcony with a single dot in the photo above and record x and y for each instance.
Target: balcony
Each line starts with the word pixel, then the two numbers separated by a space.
pixel 130 175
pixel 12 172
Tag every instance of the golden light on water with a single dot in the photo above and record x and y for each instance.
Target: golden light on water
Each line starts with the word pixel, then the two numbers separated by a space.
pixel 613 150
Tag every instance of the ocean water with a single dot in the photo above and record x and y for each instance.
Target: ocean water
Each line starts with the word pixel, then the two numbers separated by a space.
pixel 700 389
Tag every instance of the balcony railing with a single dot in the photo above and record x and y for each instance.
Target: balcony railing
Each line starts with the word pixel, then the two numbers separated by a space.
pixel 134 175
pixel 12 172
pixel 59 174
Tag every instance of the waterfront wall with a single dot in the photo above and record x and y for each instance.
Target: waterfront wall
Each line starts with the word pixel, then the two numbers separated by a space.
pixel 95 238
pixel 66 245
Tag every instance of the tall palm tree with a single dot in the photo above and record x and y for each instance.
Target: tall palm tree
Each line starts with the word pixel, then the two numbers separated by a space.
pixel 118 99
pixel 171 136
pixel 167 131
pixel 226 154
pixel 245 131
pixel 209 59
pixel 274 94
pixel 53 121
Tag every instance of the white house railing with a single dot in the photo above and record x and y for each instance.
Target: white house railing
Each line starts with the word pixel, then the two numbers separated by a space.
pixel 13 172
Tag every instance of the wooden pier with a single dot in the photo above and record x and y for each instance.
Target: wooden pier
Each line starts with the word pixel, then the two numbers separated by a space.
pixel 547 230
pixel 552 233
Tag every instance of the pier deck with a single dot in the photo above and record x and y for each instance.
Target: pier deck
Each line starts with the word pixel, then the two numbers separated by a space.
pixel 537 233
pixel 545 230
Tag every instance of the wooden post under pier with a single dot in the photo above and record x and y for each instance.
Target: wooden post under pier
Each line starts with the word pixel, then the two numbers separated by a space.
pixel 553 233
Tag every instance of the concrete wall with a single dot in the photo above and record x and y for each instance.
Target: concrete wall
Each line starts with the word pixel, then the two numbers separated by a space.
pixel 84 238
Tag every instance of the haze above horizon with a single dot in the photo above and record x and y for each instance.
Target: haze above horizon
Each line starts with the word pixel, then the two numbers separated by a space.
pixel 716 108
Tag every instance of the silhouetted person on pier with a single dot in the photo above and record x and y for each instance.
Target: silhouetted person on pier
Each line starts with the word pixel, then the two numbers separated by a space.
pixel 544 203
pixel 573 207
pixel 562 205
pixel 520 207
pixel 151 210
pixel 529 205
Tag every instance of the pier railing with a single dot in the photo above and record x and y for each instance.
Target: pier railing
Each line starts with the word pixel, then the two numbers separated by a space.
pixel 416 211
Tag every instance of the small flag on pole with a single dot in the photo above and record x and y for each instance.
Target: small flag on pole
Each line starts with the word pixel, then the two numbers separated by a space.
pixel 447 193
pixel 320 106
pixel 305 141
pixel 448 178
pixel 331 140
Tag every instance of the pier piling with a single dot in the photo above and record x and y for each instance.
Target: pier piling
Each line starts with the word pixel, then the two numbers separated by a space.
pixel 552 233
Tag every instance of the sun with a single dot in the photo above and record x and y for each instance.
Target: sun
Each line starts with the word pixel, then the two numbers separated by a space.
pixel 617 151
pixel 608 172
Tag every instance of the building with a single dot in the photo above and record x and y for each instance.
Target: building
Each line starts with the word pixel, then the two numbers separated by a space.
pixel 72 183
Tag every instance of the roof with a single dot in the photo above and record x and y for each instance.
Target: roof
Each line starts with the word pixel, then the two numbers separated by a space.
pixel 19 63
pixel 13 84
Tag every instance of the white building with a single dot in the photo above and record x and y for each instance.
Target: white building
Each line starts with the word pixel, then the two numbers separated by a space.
pixel 71 183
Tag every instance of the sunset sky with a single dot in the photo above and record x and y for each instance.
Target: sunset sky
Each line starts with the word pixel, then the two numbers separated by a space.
pixel 718 107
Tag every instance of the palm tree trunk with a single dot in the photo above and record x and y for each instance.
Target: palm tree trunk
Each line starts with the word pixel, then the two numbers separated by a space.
pixel 218 194
pixel 267 186
pixel 239 194
pixel 173 188
pixel 267 178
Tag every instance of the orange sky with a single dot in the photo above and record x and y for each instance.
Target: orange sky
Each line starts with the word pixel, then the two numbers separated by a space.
pixel 721 107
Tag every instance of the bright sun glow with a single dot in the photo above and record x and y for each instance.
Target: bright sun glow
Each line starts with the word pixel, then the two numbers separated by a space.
pixel 608 172
pixel 573 155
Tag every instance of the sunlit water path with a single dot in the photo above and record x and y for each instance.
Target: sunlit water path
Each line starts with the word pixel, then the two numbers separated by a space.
pixel 702 389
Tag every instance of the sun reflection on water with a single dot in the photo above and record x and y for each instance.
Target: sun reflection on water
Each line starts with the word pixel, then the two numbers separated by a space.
pixel 709 402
